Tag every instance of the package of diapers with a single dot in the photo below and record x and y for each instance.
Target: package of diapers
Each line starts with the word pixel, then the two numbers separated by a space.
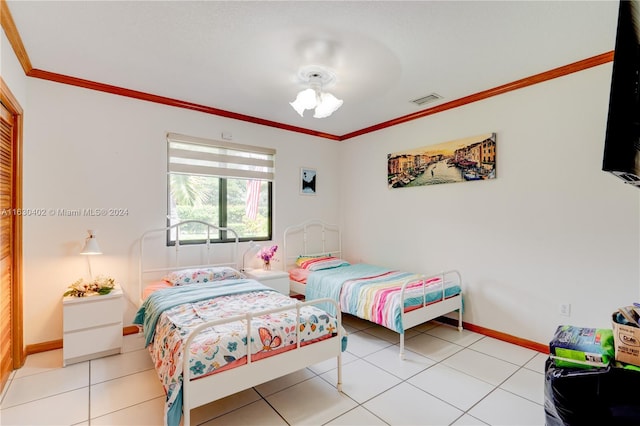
pixel 582 347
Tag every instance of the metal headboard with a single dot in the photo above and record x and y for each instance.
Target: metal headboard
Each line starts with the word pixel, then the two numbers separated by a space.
pixel 312 237
pixel 176 263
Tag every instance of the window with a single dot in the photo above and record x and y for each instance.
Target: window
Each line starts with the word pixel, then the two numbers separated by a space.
pixel 219 182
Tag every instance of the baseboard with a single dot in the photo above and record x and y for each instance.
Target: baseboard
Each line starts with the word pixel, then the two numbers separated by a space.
pixel 43 347
pixel 498 335
pixel 130 329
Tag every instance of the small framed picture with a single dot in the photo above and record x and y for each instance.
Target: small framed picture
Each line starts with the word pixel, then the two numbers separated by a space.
pixel 308 181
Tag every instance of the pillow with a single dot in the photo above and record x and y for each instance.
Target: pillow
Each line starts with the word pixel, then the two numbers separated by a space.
pixel 299 275
pixel 153 286
pixel 320 263
pixel 225 273
pixel 306 257
pixel 202 275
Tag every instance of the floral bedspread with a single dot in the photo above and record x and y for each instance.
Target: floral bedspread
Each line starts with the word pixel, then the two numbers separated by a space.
pixel 225 346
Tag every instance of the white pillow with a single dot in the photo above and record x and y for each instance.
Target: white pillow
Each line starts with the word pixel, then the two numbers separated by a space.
pixel 202 275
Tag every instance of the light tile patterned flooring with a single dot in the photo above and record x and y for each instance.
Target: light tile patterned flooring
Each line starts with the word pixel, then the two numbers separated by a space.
pixel 447 378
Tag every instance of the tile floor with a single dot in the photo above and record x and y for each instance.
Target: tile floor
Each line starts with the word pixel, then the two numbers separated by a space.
pixel 447 378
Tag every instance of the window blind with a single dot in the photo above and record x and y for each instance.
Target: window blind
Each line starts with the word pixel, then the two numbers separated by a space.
pixel 207 157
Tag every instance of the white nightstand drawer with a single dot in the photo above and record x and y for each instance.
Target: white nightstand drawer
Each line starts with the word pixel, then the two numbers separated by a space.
pixel 92 341
pixel 93 311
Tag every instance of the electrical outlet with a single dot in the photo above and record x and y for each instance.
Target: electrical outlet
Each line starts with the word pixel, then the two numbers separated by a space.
pixel 565 309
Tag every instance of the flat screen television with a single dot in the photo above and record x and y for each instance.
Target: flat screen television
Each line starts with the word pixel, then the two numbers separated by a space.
pixel 622 140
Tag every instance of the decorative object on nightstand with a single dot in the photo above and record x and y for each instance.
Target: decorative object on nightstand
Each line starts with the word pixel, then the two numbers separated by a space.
pixel 277 280
pixel 91 248
pixel 100 285
pixel 267 254
pixel 253 247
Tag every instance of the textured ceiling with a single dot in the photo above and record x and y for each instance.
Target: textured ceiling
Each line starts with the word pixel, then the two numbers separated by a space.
pixel 244 56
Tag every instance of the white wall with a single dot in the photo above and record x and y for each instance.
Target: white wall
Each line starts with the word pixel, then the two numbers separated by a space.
pixel 87 149
pixel 552 228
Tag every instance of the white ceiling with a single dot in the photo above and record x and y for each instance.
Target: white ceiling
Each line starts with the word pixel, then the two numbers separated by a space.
pixel 243 56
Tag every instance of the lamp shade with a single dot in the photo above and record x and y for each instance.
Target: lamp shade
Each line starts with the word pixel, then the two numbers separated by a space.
pixel 253 248
pixel 91 244
pixel 328 105
pixel 306 99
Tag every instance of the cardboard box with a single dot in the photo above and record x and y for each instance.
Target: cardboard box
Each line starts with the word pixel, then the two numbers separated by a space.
pixel 581 347
pixel 627 343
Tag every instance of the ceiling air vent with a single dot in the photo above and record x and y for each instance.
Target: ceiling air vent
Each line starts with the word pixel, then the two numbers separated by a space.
pixel 427 99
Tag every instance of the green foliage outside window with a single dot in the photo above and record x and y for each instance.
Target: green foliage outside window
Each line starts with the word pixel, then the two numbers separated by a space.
pixel 195 197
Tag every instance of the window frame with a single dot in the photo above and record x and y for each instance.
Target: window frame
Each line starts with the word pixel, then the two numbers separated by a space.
pixel 222 201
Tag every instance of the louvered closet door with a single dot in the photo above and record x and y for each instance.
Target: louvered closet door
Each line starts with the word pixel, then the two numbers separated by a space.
pixel 6 244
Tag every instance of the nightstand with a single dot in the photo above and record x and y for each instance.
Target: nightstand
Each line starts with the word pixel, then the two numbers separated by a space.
pixel 92 326
pixel 277 280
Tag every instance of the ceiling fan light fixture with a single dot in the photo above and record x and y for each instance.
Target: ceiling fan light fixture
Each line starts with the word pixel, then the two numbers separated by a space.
pixel 324 103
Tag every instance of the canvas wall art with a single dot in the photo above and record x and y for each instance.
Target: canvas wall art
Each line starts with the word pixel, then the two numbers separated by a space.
pixel 462 160
pixel 308 181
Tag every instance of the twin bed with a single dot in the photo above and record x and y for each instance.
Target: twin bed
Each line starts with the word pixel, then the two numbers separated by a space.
pixel 239 333
pixel 394 299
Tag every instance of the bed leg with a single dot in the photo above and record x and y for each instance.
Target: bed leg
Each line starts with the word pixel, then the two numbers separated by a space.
pixel 339 384
pixel 459 319
pixel 401 345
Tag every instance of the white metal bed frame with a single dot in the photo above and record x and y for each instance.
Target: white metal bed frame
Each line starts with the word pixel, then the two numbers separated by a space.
pixel 143 272
pixel 412 318
pixel 204 390
pixel 219 385
pixel 307 247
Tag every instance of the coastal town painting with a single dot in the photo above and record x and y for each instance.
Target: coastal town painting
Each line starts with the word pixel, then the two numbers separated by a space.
pixel 462 160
